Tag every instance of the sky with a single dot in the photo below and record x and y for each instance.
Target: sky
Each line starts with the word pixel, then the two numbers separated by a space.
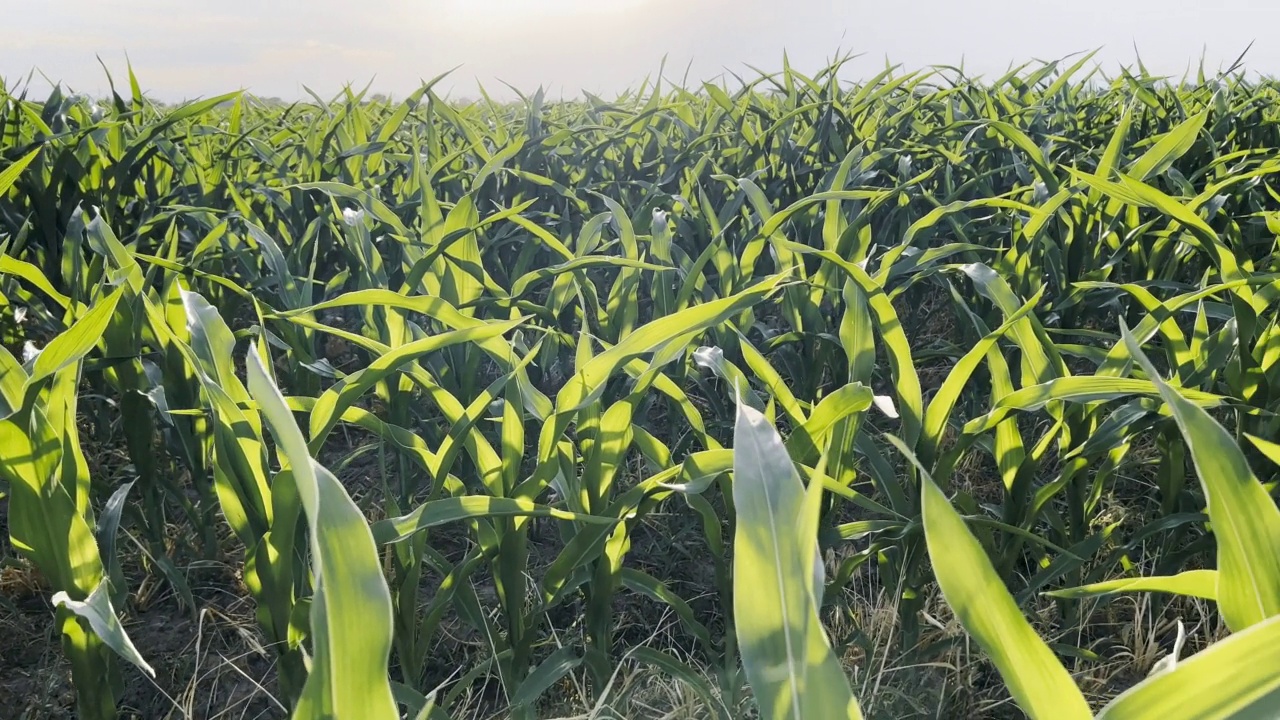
pixel 198 48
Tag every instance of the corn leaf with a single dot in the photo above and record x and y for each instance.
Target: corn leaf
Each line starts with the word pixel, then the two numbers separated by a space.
pixel 1192 583
pixel 791 668
pixel 1245 519
pixel 1035 678
pixel 351 610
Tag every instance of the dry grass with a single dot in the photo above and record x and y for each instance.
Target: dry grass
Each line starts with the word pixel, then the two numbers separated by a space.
pixel 210 667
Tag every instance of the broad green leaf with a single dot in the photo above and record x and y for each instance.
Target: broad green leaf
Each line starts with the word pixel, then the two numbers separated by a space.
pixel 939 410
pixel 684 673
pixel 588 382
pixel 10 174
pixel 1078 389
pixel 1269 449
pixel 533 277
pixel 807 441
pixel 1171 146
pixel 1024 143
pixel 906 381
pixel 788 662
pixel 31 273
pixel 13 379
pixel 1038 682
pixel 44 521
pixel 650 336
pixel 440 310
pixel 351 613
pixel 367 200
pixel 1245 520
pixel 1193 583
pixel 656 590
pixel 76 341
pixel 548 673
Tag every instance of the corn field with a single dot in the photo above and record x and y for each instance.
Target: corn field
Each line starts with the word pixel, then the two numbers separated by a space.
pixel 492 409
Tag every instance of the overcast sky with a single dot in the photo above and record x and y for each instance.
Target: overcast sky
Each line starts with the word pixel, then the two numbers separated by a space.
pixel 189 48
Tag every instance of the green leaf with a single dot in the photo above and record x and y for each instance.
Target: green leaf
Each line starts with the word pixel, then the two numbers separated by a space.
pixel 44 521
pixel 906 381
pixel 367 201
pixel 10 174
pixel 1269 449
pixel 447 510
pixel 548 673
pixel 351 613
pixel 1038 682
pixel 668 334
pixel 683 673
pixel 105 533
pixel 788 661
pixel 1024 143
pixel 944 400
pixel 76 341
pixel 13 379
pixel 1245 520
pixel 655 589
pixel 532 277
pixel 591 377
pixel 331 405
pixel 1079 389
pixel 441 311
pixel 1171 146
pixel 1192 583
pixel 807 441
pixel 32 274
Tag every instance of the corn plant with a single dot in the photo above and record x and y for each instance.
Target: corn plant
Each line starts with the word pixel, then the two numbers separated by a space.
pixel 50 518
pixel 777 575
